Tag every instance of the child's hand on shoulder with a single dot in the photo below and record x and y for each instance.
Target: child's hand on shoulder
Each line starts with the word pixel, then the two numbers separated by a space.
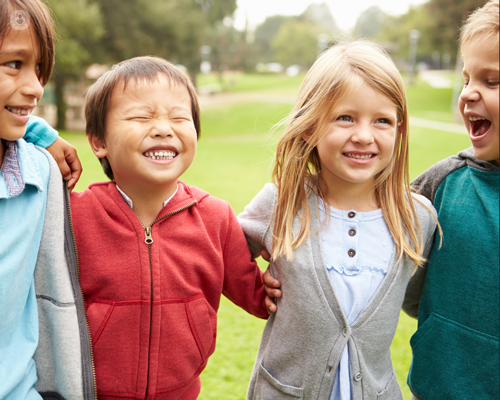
pixel 67 160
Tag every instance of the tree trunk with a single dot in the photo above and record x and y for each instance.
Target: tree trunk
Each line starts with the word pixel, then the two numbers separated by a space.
pixel 60 82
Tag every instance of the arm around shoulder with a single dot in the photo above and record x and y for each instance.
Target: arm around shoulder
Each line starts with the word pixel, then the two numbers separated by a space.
pixel 427 216
pixel 243 283
pixel 256 219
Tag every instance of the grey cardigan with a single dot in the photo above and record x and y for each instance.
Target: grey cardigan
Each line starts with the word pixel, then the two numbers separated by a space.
pixel 63 357
pixel 303 341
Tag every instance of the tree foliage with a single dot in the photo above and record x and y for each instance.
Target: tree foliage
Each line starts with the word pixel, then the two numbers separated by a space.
pixel 297 43
pixel 265 33
pixel 79 27
pixel 370 22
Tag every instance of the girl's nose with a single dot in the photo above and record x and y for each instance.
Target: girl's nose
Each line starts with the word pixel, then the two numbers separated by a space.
pixel 31 85
pixel 363 134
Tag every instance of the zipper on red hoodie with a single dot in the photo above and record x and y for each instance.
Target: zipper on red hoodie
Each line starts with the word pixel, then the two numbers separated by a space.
pixel 149 241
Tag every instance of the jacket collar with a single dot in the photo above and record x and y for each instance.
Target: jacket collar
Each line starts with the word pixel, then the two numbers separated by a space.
pixel 22 158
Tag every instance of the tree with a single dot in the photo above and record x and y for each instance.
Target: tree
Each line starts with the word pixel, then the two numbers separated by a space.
pixel 265 33
pixel 79 26
pixel 445 19
pixel 297 43
pixel 370 22
pixel 173 29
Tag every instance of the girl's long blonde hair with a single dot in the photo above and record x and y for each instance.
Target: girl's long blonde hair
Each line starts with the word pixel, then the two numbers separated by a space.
pixel 336 74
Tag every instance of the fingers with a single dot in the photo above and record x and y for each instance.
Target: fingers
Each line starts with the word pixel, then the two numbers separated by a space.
pixel 265 255
pixel 76 168
pixel 67 160
pixel 271 285
pixel 271 307
pixel 269 280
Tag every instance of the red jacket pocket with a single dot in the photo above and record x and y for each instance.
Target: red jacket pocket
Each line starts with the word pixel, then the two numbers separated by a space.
pixel 187 340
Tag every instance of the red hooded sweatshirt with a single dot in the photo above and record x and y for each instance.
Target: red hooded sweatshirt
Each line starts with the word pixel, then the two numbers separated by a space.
pixel 152 294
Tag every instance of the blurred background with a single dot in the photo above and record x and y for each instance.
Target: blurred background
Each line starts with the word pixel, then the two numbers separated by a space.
pixel 247 59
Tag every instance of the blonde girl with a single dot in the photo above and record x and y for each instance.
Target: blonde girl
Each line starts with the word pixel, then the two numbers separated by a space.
pixel 344 231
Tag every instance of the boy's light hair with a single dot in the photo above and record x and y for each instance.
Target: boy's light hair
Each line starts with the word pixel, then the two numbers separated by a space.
pixel 41 20
pixel 482 22
pixel 336 74
pixel 145 69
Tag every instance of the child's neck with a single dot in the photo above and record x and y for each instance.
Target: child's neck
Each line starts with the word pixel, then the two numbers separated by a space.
pixel 147 204
pixel 350 196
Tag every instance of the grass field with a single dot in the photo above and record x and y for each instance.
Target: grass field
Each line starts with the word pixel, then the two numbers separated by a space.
pixel 233 162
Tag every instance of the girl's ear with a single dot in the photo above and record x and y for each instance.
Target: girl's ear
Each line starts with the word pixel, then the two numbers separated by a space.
pixel 98 146
pixel 307 135
pixel 400 127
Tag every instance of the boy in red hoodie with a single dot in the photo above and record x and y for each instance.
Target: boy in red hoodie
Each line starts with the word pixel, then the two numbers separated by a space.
pixel 155 254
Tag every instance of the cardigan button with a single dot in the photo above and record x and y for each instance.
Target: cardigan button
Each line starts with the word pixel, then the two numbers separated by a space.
pixel 351 214
pixel 351 253
pixel 352 232
pixel 358 377
pixel 345 331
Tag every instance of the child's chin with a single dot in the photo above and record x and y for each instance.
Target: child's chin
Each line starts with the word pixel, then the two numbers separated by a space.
pixel 486 154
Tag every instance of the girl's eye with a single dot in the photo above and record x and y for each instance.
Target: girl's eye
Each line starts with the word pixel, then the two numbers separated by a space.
pixel 13 64
pixel 492 83
pixel 344 118
pixel 466 83
pixel 384 121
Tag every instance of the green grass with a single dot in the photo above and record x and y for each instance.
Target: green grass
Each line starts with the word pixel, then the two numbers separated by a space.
pixel 233 162
pixel 275 83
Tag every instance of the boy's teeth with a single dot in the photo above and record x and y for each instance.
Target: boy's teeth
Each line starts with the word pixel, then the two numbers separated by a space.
pixel 363 157
pixel 18 111
pixel 160 155
pixel 475 118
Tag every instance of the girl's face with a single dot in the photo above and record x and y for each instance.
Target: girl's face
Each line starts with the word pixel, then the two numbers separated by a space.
pixel 359 143
pixel 20 87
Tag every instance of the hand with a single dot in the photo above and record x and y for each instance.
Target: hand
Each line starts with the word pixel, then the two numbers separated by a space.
pixel 271 286
pixel 67 160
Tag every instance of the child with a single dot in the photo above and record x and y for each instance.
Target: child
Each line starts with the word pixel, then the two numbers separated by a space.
pixel 30 192
pixel 344 231
pixel 155 255
pixel 455 349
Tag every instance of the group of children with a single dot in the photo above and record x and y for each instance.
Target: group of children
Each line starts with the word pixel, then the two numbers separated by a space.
pixel 113 292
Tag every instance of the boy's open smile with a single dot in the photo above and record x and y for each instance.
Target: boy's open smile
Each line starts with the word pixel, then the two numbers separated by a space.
pixel 160 153
pixel 479 126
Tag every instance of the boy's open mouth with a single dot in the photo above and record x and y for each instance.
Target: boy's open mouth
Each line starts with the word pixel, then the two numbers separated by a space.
pixel 160 154
pixel 479 126
pixel 359 156
pixel 18 110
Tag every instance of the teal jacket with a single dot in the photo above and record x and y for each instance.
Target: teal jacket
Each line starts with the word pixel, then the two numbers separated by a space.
pixel 456 296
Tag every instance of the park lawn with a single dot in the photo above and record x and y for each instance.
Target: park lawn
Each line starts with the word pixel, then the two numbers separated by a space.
pixel 233 162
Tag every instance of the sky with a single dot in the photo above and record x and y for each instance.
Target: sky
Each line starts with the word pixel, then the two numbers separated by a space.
pixel 345 12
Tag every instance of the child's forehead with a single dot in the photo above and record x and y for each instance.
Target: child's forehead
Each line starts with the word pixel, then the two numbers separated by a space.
pixel 161 90
pixel 484 41
pixel 137 84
